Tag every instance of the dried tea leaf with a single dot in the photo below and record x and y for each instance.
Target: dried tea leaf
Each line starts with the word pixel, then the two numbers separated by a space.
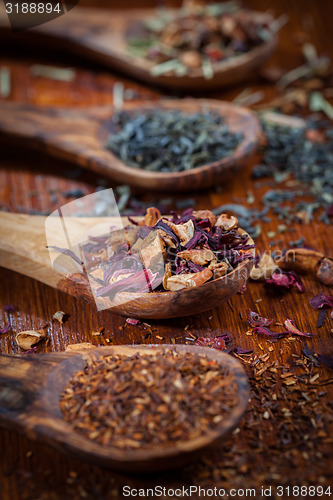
pixel 27 339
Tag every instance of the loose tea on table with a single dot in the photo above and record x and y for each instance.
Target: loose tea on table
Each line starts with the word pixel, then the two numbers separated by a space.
pixel 140 401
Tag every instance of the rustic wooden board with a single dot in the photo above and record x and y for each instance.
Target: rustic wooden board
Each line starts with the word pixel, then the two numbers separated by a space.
pixel 34 471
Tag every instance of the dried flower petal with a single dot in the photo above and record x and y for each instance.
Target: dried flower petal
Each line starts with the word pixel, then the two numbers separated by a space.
pixel 29 338
pixel 133 321
pixel 321 317
pixel 5 329
pixel 292 328
pixel 256 320
pixel 9 308
pixel 266 331
pixel 59 316
pixel 322 301
pixel 217 342
pixel 286 279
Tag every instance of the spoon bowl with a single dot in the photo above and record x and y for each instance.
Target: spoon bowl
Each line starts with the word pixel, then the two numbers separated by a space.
pixel 102 36
pixel 79 136
pixel 23 249
pixel 29 403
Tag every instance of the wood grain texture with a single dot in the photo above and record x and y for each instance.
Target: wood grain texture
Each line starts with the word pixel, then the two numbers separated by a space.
pixel 29 401
pixel 79 136
pixel 30 470
pixel 96 35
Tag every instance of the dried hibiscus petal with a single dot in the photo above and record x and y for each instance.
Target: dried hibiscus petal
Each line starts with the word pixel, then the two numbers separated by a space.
pixel 292 328
pixel 322 301
pixel 286 279
pixel 321 317
pixel 266 331
pixel 133 321
pixel 9 308
pixel 256 320
pixel 5 329
pixel 217 342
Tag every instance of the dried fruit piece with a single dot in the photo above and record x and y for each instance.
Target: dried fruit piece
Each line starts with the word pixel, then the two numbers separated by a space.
pixel 190 280
pixel 59 315
pixel 198 256
pixel 219 268
pixel 29 338
pixel 205 214
pixel 78 347
pixel 265 269
pixel 191 59
pixel 301 260
pixel 226 222
pixel 325 271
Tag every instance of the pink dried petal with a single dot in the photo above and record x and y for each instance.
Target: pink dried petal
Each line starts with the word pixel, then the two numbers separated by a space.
pixel 292 328
pixel 266 331
pixel 286 279
pixel 9 308
pixel 256 320
pixel 322 301
pixel 5 329
pixel 215 342
pixel 133 321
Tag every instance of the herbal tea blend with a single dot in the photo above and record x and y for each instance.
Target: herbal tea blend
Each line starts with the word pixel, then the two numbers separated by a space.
pixel 142 401
pixel 166 255
pixel 198 37
pixel 171 141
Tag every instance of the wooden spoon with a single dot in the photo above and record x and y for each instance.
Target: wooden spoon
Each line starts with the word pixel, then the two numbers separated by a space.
pixel 23 249
pixel 29 403
pixel 80 135
pixel 101 36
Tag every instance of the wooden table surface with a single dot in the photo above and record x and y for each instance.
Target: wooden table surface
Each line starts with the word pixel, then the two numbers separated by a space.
pixel 32 181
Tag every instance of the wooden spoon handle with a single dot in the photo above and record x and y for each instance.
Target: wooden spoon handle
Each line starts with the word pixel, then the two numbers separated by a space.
pixel 21 377
pixel 23 246
pixel 77 136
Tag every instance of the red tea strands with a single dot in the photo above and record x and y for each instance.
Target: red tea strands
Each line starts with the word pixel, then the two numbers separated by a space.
pixel 148 400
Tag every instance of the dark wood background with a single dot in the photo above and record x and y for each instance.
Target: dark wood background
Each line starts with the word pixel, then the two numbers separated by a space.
pixel 32 181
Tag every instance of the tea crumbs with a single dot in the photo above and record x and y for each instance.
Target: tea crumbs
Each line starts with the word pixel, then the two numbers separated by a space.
pixel 142 401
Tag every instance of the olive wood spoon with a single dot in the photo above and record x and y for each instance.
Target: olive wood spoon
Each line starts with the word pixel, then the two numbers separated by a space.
pixel 30 387
pixel 79 136
pixel 23 249
pixel 101 36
